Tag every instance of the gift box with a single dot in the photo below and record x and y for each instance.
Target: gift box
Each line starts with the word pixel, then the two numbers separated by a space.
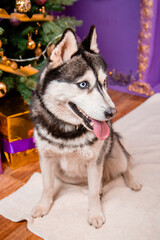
pixel 16 129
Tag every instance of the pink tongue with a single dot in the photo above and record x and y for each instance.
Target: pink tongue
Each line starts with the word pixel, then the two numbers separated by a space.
pixel 101 129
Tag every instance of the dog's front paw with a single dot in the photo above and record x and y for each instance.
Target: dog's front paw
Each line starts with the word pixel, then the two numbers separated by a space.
pixel 40 210
pixel 96 219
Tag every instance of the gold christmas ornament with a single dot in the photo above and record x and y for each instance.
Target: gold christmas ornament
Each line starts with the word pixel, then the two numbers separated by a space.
pixel 3 89
pixel 1 53
pixel 38 50
pixel 14 65
pixel 38 24
pixel 0 43
pixel 36 31
pixel 4 59
pixel 23 6
pixel 49 49
pixel 43 10
pixel 30 43
pixel 8 62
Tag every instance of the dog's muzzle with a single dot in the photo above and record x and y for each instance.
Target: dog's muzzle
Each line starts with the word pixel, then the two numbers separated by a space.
pixel 110 112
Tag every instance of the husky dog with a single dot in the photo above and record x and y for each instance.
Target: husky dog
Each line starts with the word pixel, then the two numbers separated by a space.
pixel 71 112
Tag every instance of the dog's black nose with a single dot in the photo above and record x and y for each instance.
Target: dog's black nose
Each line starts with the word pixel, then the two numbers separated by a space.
pixel 110 112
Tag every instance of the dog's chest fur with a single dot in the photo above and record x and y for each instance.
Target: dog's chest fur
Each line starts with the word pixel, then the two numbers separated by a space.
pixel 72 159
pixel 75 164
pixel 72 147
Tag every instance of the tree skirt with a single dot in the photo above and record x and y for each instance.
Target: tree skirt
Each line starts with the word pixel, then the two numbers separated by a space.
pixel 129 215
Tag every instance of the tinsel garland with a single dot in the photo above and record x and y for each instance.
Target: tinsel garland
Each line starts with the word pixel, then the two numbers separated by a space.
pixel 144 42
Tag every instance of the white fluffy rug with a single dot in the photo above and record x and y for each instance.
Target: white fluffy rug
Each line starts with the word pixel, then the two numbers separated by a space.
pixel 129 215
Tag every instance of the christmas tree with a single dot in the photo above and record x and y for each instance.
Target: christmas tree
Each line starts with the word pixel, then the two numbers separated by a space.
pixel 28 32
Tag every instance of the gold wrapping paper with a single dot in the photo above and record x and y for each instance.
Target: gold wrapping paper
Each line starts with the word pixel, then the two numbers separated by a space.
pixel 15 124
pixel 20 159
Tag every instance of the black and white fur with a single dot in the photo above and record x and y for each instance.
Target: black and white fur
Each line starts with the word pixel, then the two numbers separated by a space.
pixel 61 112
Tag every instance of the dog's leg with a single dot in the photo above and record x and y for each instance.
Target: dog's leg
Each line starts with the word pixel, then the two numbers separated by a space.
pixel 123 154
pixel 101 189
pixel 48 175
pixel 130 181
pixel 96 216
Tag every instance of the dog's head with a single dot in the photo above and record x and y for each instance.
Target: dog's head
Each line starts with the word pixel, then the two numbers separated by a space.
pixel 73 85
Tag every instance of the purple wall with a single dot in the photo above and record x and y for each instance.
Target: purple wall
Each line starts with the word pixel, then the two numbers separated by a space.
pixel 153 71
pixel 117 23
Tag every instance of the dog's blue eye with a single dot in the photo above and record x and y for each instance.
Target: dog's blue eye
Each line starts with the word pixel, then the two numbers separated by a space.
pixel 83 85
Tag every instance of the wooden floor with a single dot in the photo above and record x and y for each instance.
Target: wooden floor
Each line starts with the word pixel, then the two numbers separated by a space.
pixel 11 180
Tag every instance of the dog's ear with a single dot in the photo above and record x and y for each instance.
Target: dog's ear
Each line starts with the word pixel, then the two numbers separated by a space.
pixel 64 49
pixel 90 42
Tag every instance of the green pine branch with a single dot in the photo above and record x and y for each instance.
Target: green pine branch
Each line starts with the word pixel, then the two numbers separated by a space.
pixel 54 7
pixel 1 30
pixel 62 2
pixel 14 41
pixel 52 29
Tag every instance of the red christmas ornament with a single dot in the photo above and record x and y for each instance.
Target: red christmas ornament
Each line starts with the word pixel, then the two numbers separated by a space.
pixel 15 22
pixel 40 2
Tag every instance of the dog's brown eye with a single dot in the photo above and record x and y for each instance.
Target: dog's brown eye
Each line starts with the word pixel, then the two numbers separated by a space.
pixel 83 85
